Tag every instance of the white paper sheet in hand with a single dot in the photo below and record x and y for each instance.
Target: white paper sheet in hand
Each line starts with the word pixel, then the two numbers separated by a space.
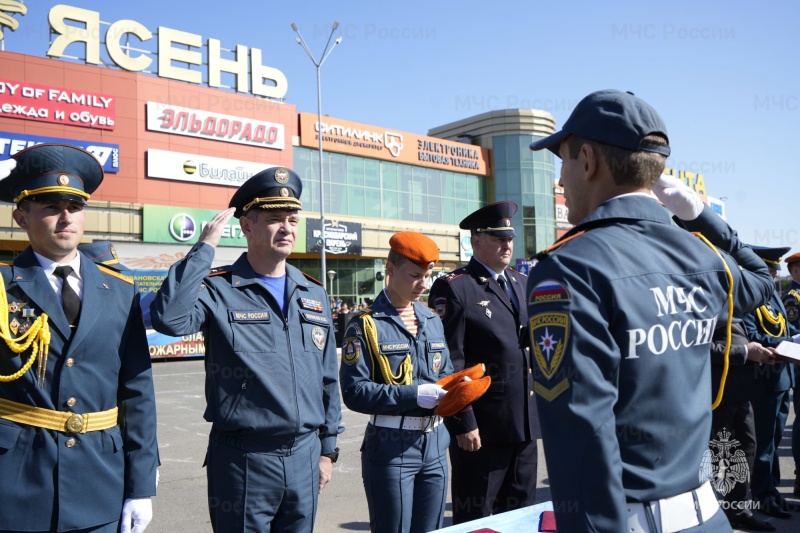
pixel 789 352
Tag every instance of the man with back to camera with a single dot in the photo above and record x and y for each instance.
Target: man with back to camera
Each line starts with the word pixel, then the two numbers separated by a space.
pixel 494 454
pixel 622 311
pixel 78 447
pixel 271 371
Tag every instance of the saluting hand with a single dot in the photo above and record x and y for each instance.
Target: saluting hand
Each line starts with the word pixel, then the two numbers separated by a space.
pixel 212 233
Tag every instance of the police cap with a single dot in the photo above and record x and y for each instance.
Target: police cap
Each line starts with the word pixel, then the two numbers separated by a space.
pixel 273 188
pixel 494 219
pixel 47 172
pixel 416 247
pixel 794 258
pixel 771 256
pixel 612 117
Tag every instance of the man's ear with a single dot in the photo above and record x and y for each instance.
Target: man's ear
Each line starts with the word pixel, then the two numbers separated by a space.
pixel 245 224
pixel 589 159
pixel 20 218
pixel 389 268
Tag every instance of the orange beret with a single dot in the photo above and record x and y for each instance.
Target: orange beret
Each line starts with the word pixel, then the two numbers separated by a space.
pixel 794 258
pixel 461 395
pixel 473 372
pixel 416 247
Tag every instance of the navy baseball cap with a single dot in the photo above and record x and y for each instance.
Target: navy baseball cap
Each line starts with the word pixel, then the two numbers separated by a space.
pixel 494 219
pixel 611 117
pixel 273 188
pixel 47 172
pixel 771 256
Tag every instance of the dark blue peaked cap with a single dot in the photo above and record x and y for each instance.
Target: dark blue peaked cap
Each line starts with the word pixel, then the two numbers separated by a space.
pixel 771 256
pixel 47 172
pixel 494 219
pixel 611 117
pixel 273 188
pixel 102 252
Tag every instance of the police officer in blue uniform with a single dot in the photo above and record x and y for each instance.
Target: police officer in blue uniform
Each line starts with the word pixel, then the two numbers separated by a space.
pixel 392 355
pixel 622 311
pixel 791 301
pixel 78 445
pixel 493 456
pixel 769 326
pixel 271 371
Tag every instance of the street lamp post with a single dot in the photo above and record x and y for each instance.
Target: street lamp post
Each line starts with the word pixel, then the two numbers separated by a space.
pixel 331 275
pixel 318 64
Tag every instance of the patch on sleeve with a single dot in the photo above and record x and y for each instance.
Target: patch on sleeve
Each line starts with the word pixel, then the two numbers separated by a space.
pixel 792 303
pixel 351 350
pixel 549 335
pixel 353 329
pixel 440 306
pixel 548 291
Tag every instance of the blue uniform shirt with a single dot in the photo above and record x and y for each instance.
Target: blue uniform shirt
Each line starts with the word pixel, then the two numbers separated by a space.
pixel 270 378
pixel 621 323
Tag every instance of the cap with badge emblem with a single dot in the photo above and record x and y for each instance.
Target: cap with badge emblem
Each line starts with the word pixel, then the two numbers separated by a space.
pixel 273 188
pixel 771 256
pixel 47 172
pixel 494 219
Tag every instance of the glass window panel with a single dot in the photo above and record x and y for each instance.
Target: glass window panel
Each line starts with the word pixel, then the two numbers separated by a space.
pixel 389 176
pixel 391 205
pixel 372 203
pixel 355 201
pixel 372 173
pixel 355 171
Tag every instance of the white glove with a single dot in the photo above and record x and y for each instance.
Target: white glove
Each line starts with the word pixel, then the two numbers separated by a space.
pixel 678 197
pixel 796 338
pixel 429 395
pixel 136 512
pixel 6 167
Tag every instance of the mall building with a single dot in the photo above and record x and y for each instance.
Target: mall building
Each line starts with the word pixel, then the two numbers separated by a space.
pixel 175 143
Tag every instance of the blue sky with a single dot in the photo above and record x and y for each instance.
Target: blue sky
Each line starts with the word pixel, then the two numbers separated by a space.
pixel 723 75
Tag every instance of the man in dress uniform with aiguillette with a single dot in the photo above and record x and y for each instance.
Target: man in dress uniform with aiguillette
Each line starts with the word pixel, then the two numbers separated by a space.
pixel 77 409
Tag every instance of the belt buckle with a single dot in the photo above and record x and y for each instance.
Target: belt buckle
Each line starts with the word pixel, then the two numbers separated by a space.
pixel 429 423
pixel 74 423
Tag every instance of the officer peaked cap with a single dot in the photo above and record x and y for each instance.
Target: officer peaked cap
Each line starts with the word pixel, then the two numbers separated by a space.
pixel 494 219
pixel 47 172
pixel 273 188
pixel 771 256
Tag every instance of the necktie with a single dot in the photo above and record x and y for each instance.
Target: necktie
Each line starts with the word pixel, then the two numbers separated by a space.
pixel 69 298
pixel 506 286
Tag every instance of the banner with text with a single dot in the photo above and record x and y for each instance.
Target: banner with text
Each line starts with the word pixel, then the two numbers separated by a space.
pixel 182 225
pixel 107 154
pixel 402 147
pixel 340 237
pixel 200 168
pixel 44 103
pixel 177 120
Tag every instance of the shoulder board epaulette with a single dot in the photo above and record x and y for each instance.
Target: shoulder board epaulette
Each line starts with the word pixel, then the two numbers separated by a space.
pixel 111 272
pixel 314 280
pixel 454 275
pixel 517 271
pixel 219 271
pixel 544 253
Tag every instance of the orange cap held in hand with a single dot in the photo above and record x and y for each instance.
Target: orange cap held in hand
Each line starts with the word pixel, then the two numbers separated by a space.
pixel 473 372
pixel 461 395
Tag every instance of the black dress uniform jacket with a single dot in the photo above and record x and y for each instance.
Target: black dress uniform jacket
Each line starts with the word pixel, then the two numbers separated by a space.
pixel 83 478
pixel 481 327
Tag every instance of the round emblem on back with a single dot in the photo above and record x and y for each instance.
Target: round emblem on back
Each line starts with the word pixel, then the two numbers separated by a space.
pixel 282 176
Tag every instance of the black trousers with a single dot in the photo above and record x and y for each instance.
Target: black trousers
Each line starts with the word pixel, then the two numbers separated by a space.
pixel 737 419
pixel 495 479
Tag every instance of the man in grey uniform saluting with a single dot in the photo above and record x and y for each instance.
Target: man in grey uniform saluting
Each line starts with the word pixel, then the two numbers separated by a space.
pixel 271 372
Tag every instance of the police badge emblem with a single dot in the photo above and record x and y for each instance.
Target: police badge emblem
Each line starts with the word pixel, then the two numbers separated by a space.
pixel 282 176
pixel 318 336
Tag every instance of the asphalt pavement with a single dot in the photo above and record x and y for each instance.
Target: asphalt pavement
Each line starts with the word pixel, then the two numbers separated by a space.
pixel 183 437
